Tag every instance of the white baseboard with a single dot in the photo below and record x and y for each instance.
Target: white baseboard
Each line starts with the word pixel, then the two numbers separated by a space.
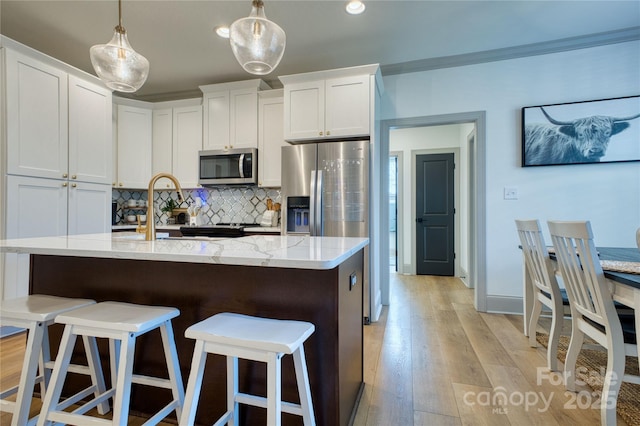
pixel 7 330
pixel 504 305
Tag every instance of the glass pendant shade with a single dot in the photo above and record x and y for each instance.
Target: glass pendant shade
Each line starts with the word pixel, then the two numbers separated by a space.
pixel 257 43
pixel 118 65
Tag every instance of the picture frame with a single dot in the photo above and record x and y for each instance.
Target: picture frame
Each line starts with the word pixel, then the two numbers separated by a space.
pixel 598 131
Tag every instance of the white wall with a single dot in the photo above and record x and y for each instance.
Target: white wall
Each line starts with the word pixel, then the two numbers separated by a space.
pixel 606 194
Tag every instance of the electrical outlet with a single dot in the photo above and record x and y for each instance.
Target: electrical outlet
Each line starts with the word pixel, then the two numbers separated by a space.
pixel 352 281
pixel 510 193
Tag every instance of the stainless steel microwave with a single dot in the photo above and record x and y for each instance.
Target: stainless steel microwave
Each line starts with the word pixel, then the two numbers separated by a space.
pixel 228 167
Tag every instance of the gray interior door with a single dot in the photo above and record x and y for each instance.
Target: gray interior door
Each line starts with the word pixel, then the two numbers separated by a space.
pixel 435 214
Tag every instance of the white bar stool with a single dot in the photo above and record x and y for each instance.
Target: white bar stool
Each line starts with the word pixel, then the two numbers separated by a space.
pixel 36 313
pixel 259 339
pixel 122 323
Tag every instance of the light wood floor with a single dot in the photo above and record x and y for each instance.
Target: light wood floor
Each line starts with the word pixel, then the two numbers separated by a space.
pixel 433 360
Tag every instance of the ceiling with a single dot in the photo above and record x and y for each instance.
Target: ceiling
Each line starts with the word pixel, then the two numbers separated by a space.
pixel 177 37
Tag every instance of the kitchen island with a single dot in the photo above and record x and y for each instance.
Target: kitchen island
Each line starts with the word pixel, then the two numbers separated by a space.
pixel 284 277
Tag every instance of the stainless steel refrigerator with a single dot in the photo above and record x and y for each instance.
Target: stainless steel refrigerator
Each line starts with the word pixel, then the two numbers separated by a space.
pixel 325 192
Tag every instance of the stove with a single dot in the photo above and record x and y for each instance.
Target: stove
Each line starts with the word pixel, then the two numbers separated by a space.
pixel 226 230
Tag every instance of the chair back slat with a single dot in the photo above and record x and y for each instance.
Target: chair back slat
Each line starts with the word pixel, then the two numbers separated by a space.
pixel 536 256
pixel 581 270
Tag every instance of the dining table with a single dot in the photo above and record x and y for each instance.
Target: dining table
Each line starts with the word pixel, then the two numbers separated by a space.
pixel 621 267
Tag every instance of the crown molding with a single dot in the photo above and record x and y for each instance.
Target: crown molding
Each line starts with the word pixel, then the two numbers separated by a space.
pixel 534 49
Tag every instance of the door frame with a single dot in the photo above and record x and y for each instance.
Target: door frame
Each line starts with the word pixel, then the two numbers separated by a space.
pixel 456 205
pixel 399 203
pixel 477 274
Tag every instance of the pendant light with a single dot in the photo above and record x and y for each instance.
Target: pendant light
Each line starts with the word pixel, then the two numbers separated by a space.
pixel 117 64
pixel 257 43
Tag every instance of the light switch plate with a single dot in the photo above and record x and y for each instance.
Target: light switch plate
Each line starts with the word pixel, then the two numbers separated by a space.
pixel 510 193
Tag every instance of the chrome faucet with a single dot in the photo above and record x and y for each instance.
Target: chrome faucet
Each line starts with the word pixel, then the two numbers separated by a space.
pixel 151 215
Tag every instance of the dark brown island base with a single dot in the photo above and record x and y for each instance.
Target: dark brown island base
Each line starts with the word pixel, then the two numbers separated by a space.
pixel 325 297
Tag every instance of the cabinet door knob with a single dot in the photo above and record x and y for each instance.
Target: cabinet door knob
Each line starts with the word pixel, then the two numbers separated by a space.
pixel 320 133
pixel 64 185
pixel 64 175
pixel 328 133
pixel 73 185
pixel 121 184
pixel 168 185
pixel 113 184
pixel 73 177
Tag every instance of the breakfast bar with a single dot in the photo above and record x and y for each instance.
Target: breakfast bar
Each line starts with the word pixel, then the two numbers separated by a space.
pixel 315 279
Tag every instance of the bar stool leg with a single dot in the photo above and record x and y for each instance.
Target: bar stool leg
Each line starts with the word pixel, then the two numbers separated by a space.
pixel 194 385
pixel 274 389
pixel 304 389
pixel 173 365
pixel 61 365
pixel 232 390
pixel 114 354
pixel 95 370
pixel 29 368
pixel 45 360
pixel 123 381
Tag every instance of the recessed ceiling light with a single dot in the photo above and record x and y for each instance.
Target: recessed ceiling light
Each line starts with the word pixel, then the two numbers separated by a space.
pixel 222 31
pixel 355 7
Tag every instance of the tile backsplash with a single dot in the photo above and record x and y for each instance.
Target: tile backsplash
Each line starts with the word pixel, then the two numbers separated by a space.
pixel 219 205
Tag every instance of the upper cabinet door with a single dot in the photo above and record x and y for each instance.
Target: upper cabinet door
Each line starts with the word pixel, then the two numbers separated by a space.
pixel 187 141
pixel 134 147
pixel 162 143
pixel 304 110
pixel 37 118
pixel 216 120
pixel 90 132
pixel 270 141
pixel 243 119
pixel 347 108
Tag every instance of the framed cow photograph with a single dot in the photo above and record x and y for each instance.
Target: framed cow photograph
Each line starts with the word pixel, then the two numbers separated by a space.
pixel 601 131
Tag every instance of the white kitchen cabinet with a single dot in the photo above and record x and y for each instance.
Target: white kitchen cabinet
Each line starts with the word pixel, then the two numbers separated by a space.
pixel 90 132
pixel 41 207
pixel 270 137
pixel 37 117
pixel 177 139
pixel 231 114
pixel 59 149
pixel 48 207
pixel 37 207
pixel 89 208
pixel 329 104
pixel 134 147
pixel 58 125
pixel 187 141
pixel 162 150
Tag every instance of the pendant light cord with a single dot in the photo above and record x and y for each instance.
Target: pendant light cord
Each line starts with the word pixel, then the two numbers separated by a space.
pixel 120 28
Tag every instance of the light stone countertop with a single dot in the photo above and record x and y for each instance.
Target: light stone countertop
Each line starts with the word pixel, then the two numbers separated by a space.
pixel 289 251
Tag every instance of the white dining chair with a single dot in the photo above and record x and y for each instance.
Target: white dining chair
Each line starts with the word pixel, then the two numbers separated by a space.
pixel 546 292
pixel 592 311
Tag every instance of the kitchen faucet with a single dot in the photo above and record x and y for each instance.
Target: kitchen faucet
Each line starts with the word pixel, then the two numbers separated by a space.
pixel 151 216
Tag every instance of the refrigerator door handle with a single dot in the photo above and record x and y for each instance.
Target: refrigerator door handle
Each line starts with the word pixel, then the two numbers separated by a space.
pixel 319 202
pixel 312 205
